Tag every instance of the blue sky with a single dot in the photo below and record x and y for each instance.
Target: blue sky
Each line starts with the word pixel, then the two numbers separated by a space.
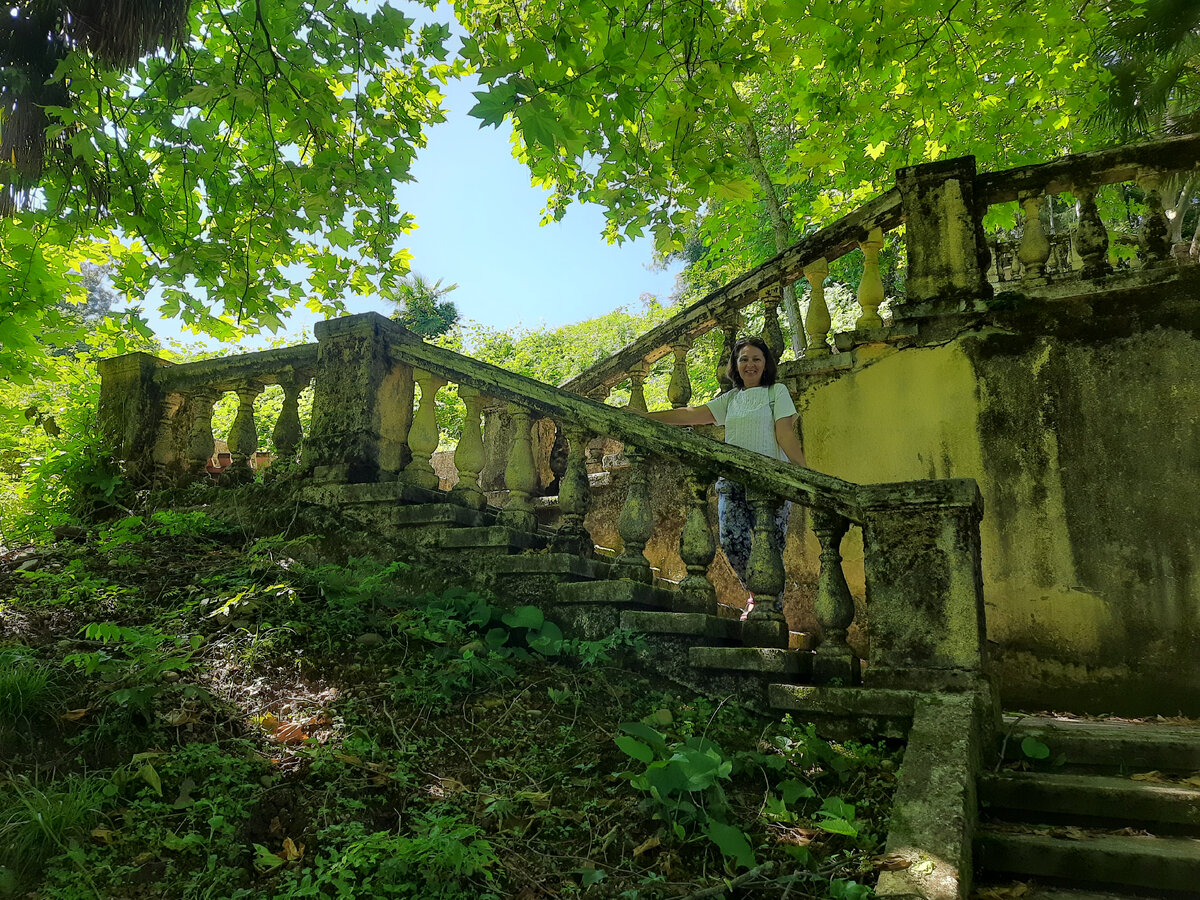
pixel 477 216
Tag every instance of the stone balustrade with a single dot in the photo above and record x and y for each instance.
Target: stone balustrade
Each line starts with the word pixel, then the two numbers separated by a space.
pixel 160 415
pixel 725 309
pixel 1083 252
pixel 951 265
pixel 375 419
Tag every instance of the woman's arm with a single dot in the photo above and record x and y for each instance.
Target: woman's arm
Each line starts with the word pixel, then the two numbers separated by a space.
pixel 785 434
pixel 686 415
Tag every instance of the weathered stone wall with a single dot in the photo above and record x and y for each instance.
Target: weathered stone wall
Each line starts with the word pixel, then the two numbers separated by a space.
pixel 1082 429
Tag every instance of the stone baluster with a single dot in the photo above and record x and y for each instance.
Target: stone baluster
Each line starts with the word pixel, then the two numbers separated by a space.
pixel 556 461
pixel 288 432
pixel 423 435
pixel 697 548
pixel 468 457
pixel 1035 244
pixel 772 334
pixel 730 323
pixel 834 607
pixel 679 391
pixel 595 447
pixel 169 453
pixel 637 382
pixel 200 437
pixel 574 495
pixel 1091 237
pixel 765 625
pixel 1154 238
pixel 635 524
pixel 870 289
pixel 520 476
pixel 817 322
pixel 243 435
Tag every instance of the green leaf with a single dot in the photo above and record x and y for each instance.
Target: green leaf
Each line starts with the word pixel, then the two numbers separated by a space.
pixel 635 748
pixel 793 790
pixel 641 730
pixel 1035 749
pixel 524 617
pixel 835 825
pixel 496 638
pixel 548 641
pixel 731 842
pixel 588 877
pixel 150 775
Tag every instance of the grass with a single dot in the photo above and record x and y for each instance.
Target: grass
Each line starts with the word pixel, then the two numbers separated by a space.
pixel 252 718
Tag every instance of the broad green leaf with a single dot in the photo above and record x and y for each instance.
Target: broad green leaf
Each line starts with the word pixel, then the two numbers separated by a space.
pixel 732 842
pixel 635 748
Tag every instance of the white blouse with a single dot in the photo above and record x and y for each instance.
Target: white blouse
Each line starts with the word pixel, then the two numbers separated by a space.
pixel 748 420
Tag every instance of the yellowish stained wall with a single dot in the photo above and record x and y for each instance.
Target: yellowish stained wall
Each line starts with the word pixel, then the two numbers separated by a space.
pixel 1088 457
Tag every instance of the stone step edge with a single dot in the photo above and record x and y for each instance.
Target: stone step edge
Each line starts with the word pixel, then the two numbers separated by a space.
pixel 681 624
pixel 1106 797
pixel 614 592
pixel 491 537
pixel 553 563
pixel 1091 743
pixel 843 702
pixel 761 660
pixel 449 515
pixel 1161 863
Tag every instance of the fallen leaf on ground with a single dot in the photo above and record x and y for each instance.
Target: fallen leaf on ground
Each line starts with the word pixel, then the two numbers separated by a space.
pixel 647 845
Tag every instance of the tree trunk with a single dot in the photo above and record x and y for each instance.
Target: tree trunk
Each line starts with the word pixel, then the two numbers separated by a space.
pixel 1175 214
pixel 782 230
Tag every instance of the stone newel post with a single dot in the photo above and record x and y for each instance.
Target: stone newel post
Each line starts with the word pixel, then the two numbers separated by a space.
pixel 131 409
pixel 947 253
pixel 924 585
pixel 355 417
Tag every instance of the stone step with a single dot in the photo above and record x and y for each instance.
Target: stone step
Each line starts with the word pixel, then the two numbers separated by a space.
pixel 1023 890
pixel 567 566
pixel 446 515
pixel 682 624
pixel 843 712
pixel 1097 797
pixel 493 538
pixel 618 592
pixel 1120 746
pixel 771 663
pixel 1101 860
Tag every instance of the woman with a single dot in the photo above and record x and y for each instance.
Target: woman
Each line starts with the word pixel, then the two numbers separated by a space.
pixel 759 415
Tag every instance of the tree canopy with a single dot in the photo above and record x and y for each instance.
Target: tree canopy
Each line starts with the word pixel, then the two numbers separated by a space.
pixel 243 157
pixel 666 113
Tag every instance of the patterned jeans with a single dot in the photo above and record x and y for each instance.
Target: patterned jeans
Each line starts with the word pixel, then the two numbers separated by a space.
pixel 735 516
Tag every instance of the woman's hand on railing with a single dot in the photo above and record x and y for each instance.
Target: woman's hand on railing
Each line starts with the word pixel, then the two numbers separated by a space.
pixel 684 415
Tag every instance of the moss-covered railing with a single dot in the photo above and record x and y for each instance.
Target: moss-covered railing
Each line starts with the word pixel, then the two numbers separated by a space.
pixel 374 419
pixel 951 265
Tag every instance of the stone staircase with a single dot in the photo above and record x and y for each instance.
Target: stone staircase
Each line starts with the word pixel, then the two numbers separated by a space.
pixel 762 668
pixel 1082 830
pixel 1109 813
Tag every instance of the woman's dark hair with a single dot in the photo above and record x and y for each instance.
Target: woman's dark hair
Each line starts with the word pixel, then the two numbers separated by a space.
pixel 768 376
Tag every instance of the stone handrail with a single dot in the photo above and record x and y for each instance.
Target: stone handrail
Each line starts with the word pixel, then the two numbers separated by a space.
pixel 705 454
pixel 950 263
pixel 174 433
pixel 1082 175
pixel 807 258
